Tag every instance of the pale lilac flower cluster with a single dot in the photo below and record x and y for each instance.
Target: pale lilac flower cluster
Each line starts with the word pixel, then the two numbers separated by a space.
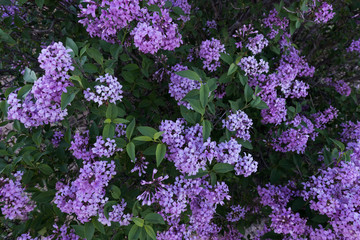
pixel 58 135
pixel 210 53
pixel 116 215
pixel 120 130
pixel 157 183
pixel 14 201
pixel 324 13
pixel 64 232
pixel 202 199
pixel 108 91
pixel 85 196
pixel 180 86
pixel 104 148
pixel 253 67
pixel 246 165
pixel 275 24
pixel 140 165
pixel 354 46
pixel 42 105
pixel 240 123
pixel 257 43
pixel 80 146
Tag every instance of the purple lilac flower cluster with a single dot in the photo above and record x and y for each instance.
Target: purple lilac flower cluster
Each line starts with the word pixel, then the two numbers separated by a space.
pixel 14 201
pixel 202 199
pixel 108 91
pixel 340 86
pixel 116 215
pixel 85 196
pixel 80 146
pixel 210 53
pixel 240 123
pixel 180 86
pixel 211 24
pixel 322 118
pixel 237 213
pixel 354 46
pixel 275 24
pixel 324 13
pixel 58 135
pixel 351 131
pixel 104 148
pixel 253 67
pixel 190 153
pixel 120 130
pixel 140 165
pixel 153 31
pixel 42 105
pixel 257 43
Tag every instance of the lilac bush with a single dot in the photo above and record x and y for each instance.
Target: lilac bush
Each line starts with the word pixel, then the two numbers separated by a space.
pixel 180 119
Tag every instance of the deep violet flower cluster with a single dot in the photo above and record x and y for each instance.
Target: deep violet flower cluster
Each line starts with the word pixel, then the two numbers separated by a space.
pixel 80 145
pixel 10 10
pixel 210 53
pixel 350 132
pixel 240 123
pixel 42 105
pixel 202 199
pixel 58 135
pixel 62 233
pixel 190 153
pixel 116 215
pixel 120 130
pixel 211 24
pixel 180 86
pixel 108 91
pixel 237 213
pixel 322 118
pixel 253 67
pixel 14 201
pixel 85 196
pixel 354 46
pixel 275 24
pixel 324 13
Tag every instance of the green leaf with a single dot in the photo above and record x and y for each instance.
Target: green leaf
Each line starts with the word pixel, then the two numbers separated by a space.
pixel 72 45
pixel 204 95
pixel 245 144
pixel 226 58
pixel 90 68
pixel 206 129
pixel 46 169
pixel 150 231
pixel 143 139
pixel 36 137
pixel 130 149
pixel 338 143
pixel 79 230
pixel 223 168
pixel 213 178
pixel 178 11
pixel 248 92
pixel 68 96
pixel 39 3
pixel 160 153
pixel 138 221
pixel 89 230
pixel 189 74
pixel 109 130
pixel 98 225
pixel 111 111
pixel 154 218
pixel 115 192
pixel 24 90
pixel 158 134
pixel 200 173
pixel 261 105
pixel 6 38
pixel 29 75
pixel 96 55
pixel 109 207
pixel 243 79
pixel 154 8
pixel 134 232
pixel 233 67
pixel 130 129
pixel 120 120
pixel 147 131
pixel 196 105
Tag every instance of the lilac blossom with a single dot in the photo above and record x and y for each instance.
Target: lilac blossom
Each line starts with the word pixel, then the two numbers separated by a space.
pixel 116 215
pixel 104 148
pixel 252 67
pixel 324 13
pixel 210 53
pixel 240 123
pixel 58 135
pixel 257 43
